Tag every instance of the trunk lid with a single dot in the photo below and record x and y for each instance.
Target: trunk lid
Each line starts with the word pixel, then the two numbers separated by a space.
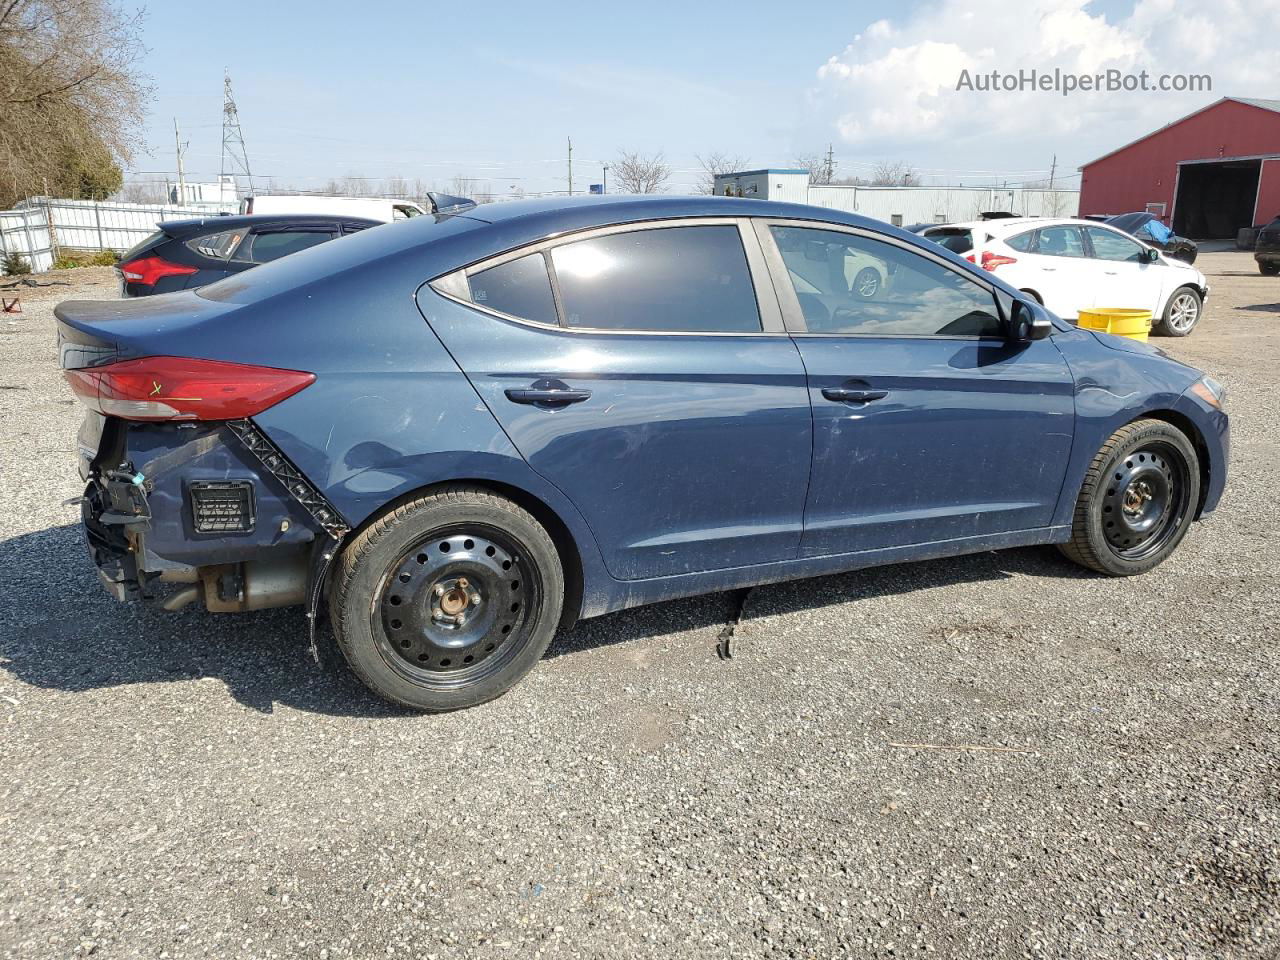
pixel 94 332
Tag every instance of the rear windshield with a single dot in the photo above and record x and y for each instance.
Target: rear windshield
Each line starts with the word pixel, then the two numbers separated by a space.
pixel 138 248
pixel 325 259
pixel 956 240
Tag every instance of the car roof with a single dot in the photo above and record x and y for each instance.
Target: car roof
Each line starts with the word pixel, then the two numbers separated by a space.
pixel 587 211
pixel 195 224
pixel 1013 224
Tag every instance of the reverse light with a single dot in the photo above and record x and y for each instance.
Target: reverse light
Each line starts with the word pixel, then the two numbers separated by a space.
pixel 992 260
pixel 183 388
pixel 147 270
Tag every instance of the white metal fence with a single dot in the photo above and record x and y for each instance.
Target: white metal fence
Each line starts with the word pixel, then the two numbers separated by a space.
pixel 43 227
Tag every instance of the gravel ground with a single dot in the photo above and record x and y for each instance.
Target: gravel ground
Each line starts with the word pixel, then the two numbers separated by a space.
pixel 179 785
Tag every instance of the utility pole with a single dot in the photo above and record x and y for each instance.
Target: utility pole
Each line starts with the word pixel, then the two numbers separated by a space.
pixel 1053 169
pixel 181 148
pixel 570 140
pixel 831 164
pixel 604 187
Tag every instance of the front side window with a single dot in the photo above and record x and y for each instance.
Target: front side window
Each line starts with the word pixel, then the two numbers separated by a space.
pixel 854 285
pixel 520 288
pixel 690 279
pixel 272 246
pixel 1062 241
pixel 1108 245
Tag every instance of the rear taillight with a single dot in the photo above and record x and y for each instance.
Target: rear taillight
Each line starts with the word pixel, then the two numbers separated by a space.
pixel 992 260
pixel 147 270
pixel 971 260
pixel 183 388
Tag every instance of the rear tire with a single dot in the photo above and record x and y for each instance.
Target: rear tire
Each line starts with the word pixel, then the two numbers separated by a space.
pixel 1181 313
pixel 1137 501
pixel 448 600
pixel 1269 269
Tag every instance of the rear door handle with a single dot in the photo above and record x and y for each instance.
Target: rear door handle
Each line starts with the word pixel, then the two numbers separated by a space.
pixel 853 395
pixel 543 394
pixel 1048 269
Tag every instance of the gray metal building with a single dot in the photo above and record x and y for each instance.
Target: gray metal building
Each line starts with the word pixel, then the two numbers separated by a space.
pixel 901 206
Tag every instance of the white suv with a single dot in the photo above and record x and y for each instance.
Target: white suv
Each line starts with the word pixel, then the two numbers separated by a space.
pixel 1073 265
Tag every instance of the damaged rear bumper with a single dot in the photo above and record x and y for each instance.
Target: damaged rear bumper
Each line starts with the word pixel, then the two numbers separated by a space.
pixel 209 512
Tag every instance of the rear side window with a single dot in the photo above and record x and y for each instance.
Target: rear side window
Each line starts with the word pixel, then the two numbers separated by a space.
pixel 219 246
pixel 1064 241
pixel 690 279
pixel 520 288
pixel 1022 241
pixel 266 247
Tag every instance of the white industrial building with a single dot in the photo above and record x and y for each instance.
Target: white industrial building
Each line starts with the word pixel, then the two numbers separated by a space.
pixel 901 206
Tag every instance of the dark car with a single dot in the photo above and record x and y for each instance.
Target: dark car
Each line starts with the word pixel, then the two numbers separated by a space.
pixel 1267 249
pixel 1149 228
pixel 462 433
pixel 183 254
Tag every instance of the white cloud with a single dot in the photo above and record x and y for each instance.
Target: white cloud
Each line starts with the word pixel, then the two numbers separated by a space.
pixel 892 91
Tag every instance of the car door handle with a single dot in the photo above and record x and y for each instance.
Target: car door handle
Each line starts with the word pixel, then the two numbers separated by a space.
pixel 852 395
pixel 1111 273
pixel 1048 269
pixel 547 396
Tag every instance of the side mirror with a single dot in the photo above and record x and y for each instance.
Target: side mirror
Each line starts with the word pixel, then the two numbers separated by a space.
pixel 815 250
pixel 1153 255
pixel 1029 321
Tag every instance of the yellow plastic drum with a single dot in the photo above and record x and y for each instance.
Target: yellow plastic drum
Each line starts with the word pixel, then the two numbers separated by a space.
pixel 1135 324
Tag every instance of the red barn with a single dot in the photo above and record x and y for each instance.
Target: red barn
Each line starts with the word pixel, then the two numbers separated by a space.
pixel 1208 174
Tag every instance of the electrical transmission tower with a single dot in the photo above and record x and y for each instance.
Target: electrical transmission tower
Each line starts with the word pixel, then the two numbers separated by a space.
pixel 235 159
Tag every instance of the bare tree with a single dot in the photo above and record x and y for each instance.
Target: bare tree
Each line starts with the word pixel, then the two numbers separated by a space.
pixel 72 99
pixel 639 173
pixel 820 172
pixel 896 173
pixel 715 164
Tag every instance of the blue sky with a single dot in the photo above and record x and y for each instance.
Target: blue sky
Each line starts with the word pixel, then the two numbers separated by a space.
pixel 491 91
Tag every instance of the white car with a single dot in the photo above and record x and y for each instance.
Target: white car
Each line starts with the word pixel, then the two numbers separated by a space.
pixel 1073 265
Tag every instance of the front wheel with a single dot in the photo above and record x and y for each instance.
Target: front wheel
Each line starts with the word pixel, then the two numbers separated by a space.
pixel 448 600
pixel 1181 314
pixel 1137 500
pixel 1268 269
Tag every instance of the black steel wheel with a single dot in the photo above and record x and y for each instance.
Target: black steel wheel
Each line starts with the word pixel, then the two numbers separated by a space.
pixel 1138 500
pixel 447 601
pixel 455 609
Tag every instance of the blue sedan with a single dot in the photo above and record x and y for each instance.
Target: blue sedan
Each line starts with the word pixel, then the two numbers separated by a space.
pixel 466 433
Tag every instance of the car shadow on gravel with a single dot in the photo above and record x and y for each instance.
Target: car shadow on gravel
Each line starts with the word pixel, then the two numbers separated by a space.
pixel 794 596
pixel 60 631
pixel 1262 307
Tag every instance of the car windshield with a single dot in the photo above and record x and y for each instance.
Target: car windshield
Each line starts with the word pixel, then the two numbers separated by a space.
pixel 955 239
pixel 1130 222
pixel 327 259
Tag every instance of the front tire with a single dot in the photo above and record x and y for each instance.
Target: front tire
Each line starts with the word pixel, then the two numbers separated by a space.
pixel 1181 313
pixel 1137 501
pixel 1268 269
pixel 448 600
